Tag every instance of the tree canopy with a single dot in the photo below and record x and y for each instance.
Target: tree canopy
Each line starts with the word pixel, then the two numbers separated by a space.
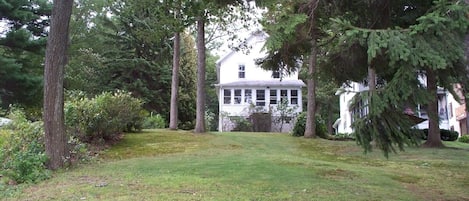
pixel 22 48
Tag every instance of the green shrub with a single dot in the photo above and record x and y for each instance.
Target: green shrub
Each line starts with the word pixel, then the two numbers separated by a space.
pixel 300 125
pixel 210 121
pixel 103 117
pixel 154 121
pixel 261 121
pixel 23 153
pixel 445 135
pixel 79 152
pixel 241 124
pixel 342 137
pixel 464 138
pixel 3 136
pixel 188 125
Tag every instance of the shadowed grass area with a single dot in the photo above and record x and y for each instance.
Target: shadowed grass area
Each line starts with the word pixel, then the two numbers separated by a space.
pixel 178 165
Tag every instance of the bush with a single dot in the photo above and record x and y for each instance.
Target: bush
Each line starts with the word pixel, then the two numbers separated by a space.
pixel 188 125
pixel 23 153
pixel 242 124
pixel 3 136
pixel 300 125
pixel 445 135
pixel 154 121
pixel 342 137
pixel 464 138
pixel 103 117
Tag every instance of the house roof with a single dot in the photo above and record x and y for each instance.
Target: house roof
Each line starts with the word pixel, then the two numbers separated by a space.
pixel 264 83
pixel 248 40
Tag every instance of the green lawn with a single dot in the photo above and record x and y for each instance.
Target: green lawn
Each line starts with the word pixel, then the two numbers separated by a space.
pixel 177 165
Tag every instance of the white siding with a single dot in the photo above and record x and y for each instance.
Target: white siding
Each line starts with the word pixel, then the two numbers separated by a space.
pixel 228 72
pixel 345 120
pixel 229 65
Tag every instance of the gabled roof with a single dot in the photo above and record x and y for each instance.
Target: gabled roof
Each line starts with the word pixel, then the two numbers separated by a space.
pixel 264 83
pixel 248 40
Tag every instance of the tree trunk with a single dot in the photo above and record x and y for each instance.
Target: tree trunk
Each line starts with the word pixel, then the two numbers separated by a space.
pixel 173 119
pixel 310 129
pixel 55 61
pixel 371 81
pixel 200 107
pixel 434 138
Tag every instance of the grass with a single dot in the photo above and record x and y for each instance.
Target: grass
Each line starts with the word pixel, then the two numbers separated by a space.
pixel 177 165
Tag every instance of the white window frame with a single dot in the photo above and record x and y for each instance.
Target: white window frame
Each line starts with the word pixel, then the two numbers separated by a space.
pixel 273 99
pixel 237 98
pixel 227 98
pixel 241 71
pixel 259 101
pixel 292 97
pixel 247 98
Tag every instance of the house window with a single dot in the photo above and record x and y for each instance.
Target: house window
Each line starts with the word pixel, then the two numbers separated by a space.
pixel 248 96
pixel 273 96
pixel 284 96
pixel 260 97
pixel 241 71
pixel 237 96
pixel 227 96
pixel 359 111
pixel 294 97
pixel 276 74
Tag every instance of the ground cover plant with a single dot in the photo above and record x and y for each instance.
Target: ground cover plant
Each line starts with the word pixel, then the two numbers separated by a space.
pixel 178 165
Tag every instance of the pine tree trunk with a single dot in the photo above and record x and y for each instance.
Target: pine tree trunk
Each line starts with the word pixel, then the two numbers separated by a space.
pixel 434 138
pixel 310 129
pixel 55 61
pixel 200 105
pixel 173 114
pixel 371 81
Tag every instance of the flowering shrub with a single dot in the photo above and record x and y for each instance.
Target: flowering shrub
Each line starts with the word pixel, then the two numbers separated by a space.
pixel 103 117
pixel 23 154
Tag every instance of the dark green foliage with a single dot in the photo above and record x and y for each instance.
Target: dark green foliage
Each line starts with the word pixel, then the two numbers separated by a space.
pixel 23 154
pixel 464 138
pixel 399 55
pixel 342 137
pixel 211 99
pixel 154 121
pixel 103 117
pixel 300 125
pixel 242 124
pixel 188 125
pixel 132 51
pixel 386 126
pixel 261 122
pixel 22 47
pixel 446 135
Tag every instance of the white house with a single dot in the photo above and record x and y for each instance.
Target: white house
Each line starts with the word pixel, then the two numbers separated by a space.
pixel 4 121
pixel 448 107
pixel 243 85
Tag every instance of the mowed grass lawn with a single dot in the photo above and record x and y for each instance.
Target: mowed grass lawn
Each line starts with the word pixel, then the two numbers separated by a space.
pixel 178 165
